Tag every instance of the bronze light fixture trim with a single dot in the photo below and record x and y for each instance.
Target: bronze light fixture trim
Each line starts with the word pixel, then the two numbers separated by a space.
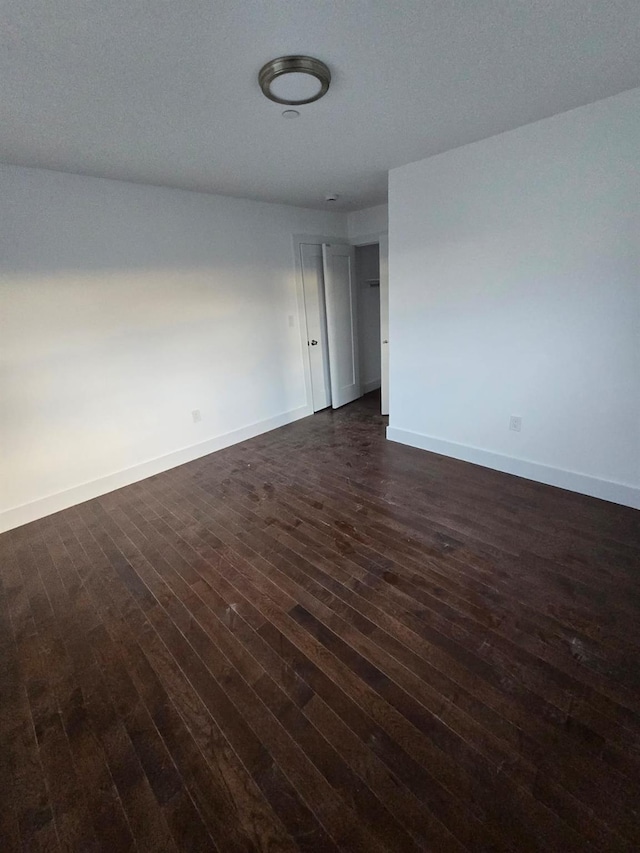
pixel 297 65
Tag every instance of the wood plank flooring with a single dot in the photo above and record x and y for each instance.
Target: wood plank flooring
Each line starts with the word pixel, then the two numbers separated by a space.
pixel 317 641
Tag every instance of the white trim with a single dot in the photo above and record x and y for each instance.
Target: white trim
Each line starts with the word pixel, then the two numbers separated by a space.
pixel 607 490
pixel 19 515
pixel 371 385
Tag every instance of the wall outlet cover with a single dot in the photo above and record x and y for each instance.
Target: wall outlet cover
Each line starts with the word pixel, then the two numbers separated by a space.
pixel 515 423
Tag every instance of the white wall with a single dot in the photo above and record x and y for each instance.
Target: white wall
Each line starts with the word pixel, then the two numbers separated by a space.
pixel 368 223
pixel 368 269
pixel 515 289
pixel 125 307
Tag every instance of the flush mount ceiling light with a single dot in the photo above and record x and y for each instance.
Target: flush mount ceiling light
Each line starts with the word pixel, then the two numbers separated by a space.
pixel 294 80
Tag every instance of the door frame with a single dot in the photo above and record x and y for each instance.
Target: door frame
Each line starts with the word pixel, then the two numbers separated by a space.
pixel 372 240
pixel 297 240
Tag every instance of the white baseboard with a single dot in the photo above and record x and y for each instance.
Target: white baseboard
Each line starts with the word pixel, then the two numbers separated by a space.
pixel 371 385
pixel 20 515
pixel 607 490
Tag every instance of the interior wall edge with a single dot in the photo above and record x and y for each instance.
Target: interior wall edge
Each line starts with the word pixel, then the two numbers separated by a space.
pixel 573 481
pixel 41 507
pixel 366 239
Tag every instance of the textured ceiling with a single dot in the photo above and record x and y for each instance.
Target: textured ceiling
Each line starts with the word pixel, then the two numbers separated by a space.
pixel 165 91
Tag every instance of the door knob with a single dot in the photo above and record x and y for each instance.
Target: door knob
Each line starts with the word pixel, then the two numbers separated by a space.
pixel 314 343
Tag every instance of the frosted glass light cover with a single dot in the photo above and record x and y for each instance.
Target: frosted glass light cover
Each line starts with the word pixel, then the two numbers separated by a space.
pixel 295 86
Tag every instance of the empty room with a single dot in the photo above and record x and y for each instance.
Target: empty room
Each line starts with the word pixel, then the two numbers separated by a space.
pixel 320 426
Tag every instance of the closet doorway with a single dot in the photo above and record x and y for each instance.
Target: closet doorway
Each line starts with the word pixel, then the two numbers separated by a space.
pixel 372 275
pixel 343 291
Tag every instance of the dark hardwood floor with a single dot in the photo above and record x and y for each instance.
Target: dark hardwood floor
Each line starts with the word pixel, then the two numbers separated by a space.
pixel 318 640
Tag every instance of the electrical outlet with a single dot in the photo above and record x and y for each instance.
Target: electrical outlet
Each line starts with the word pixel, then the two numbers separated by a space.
pixel 197 417
pixel 291 321
pixel 515 423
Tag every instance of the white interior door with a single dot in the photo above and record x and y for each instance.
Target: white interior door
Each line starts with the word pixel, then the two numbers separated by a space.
pixel 314 306
pixel 342 324
pixel 384 323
